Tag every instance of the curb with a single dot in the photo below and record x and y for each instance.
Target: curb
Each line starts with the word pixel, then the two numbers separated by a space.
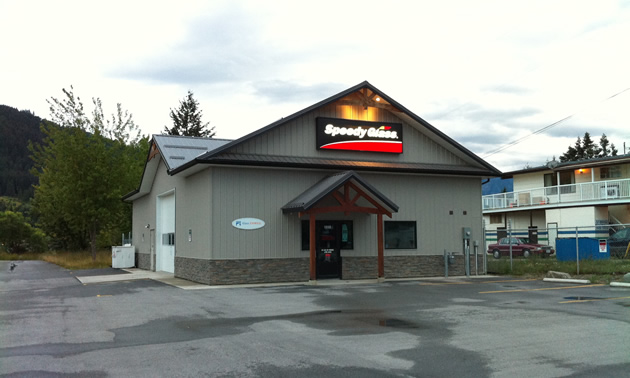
pixel 620 284
pixel 566 280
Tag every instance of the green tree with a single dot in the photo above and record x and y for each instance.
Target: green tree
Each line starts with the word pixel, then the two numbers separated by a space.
pixel 590 148
pixel 573 153
pixel 579 150
pixel 585 149
pixel 605 150
pixel 84 167
pixel 613 150
pixel 18 236
pixel 570 155
pixel 604 143
pixel 187 120
pixel 17 128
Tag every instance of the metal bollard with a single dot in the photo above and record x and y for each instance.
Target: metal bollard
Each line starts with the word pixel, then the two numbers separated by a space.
pixel 476 244
pixel 445 264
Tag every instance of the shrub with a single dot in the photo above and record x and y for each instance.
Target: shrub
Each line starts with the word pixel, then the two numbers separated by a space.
pixel 18 236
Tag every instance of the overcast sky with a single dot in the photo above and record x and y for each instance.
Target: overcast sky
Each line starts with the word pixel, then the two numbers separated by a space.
pixel 486 73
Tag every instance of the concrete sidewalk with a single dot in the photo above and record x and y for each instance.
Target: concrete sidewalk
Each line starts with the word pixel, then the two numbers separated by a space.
pixel 133 274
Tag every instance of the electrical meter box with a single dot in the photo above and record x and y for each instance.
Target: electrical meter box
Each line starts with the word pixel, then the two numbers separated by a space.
pixel 123 257
pixel 466 233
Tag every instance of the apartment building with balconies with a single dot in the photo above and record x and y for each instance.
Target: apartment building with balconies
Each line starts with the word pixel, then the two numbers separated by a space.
pixel 589 197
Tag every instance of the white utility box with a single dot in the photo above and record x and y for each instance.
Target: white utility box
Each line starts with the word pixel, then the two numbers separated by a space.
pixel 123 257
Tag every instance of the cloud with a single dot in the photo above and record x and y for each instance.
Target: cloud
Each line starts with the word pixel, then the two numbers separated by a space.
pixel 507 89
pixel 478 113
pixel 283 91
pixel 224 46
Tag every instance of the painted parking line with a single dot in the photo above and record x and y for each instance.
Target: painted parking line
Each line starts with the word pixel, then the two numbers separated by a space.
pixel 539 289
pixel 473 282
pixel 593 300
pixel 524 280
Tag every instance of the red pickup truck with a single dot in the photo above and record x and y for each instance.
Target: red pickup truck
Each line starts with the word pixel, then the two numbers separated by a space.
pixel 519 248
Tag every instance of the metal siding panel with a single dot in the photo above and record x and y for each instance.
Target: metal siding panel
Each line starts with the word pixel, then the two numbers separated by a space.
pixel 427 200
pixel 143 210
pixel 280 238
pixel 297 138
pixel 193 209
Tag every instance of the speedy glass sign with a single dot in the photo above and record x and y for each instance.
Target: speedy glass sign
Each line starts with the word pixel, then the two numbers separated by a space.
pixel 351 135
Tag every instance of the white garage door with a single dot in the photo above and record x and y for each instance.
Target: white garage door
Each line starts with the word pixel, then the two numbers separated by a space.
pixel 165 251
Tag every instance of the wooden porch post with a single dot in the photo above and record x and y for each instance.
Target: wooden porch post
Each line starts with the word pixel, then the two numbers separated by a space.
pixel 381 258
pixel 312 247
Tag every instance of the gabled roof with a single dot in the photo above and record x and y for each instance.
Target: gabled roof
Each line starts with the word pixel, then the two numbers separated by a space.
pixel 178 150
pixel 311 196
pixel 366 93
pixel 174 151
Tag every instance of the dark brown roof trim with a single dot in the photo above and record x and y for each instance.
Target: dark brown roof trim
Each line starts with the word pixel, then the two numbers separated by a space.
pixel 338 164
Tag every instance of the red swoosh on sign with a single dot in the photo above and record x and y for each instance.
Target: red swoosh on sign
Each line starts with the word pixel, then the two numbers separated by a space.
pixel 368 145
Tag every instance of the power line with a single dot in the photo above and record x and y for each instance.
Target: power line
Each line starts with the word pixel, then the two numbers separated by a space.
pixel 539 131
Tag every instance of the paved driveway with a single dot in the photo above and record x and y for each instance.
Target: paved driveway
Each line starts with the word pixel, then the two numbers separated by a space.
pixel 53 325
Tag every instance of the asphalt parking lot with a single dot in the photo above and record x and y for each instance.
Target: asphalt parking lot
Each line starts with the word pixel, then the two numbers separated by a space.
pixel 54 325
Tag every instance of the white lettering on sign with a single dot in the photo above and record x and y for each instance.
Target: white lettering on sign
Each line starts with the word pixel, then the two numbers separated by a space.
pixel 373 132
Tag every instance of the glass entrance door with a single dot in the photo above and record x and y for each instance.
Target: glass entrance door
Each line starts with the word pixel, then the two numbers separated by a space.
pixel 328 245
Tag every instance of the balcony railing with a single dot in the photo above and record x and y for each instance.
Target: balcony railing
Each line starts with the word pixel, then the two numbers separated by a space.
pixel 574 193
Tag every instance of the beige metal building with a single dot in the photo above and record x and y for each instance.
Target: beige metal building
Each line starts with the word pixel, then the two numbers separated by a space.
pixel 383 192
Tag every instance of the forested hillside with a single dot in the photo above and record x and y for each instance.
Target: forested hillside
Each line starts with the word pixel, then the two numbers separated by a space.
pixel 17 128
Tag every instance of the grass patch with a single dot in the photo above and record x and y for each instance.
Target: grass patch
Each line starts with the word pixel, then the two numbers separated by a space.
pixel 598 271
pixel 66 259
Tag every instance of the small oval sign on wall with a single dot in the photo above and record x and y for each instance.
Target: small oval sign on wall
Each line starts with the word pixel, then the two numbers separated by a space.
pixel 248 223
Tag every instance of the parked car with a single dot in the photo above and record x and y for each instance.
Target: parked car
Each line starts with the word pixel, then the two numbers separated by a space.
pixel 618 242
pixel 520 247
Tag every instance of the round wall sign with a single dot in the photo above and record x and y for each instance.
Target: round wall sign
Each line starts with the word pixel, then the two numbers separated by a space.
pixel 248 223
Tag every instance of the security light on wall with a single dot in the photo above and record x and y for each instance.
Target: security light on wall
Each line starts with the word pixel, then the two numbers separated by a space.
pixel 147 226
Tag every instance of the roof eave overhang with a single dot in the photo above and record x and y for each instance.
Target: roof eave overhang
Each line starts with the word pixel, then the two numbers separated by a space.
pixel 253 163
pixel 148 175
pixel 601 162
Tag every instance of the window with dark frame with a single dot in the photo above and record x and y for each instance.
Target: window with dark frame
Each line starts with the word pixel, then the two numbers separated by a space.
pixel 551 179
pixel 610 172
pixel 168 238
pixel 400 235
pixel 566 178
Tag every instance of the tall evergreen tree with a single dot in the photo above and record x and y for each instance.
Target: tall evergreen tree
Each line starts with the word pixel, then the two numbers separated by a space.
pixel 579 150
pixel 603 144
pixel 573 153
pixel 590 148
pixel 187 120
pixel 570 155
pixel 613 150
pixel 585 149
